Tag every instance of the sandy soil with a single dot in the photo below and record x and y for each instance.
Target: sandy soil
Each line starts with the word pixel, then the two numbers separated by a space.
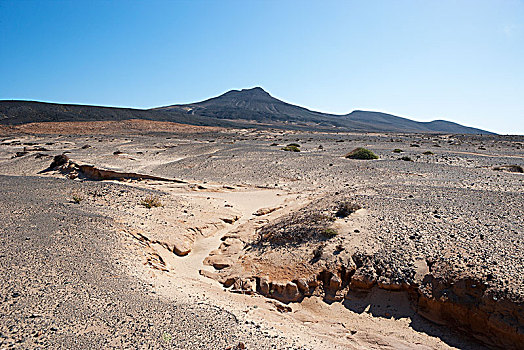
pixel 230 175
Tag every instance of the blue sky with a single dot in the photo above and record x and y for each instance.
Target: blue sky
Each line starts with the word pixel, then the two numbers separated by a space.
pixel 456 60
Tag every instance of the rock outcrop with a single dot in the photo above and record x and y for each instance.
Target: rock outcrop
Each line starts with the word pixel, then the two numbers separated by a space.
pixel 73 170
pixel 463 303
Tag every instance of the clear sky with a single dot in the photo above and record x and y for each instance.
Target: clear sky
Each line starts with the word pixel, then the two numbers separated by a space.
pixel 456 60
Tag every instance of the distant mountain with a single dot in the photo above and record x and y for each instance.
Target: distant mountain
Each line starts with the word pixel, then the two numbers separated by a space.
pixel 257 105
pixel 251 104
pixel 236 108
pixel 14 112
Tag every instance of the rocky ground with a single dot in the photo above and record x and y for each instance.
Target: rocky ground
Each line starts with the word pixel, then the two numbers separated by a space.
pixel 432 230
pixel 64 285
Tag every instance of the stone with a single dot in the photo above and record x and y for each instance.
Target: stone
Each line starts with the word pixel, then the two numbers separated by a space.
pixel 59 160
pixel 181 247
pixel 263 285
pixel 362 281
pixel 334 283
pixel 302 285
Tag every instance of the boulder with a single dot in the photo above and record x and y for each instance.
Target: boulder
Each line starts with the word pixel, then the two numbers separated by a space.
pixel 181 247
pixel 263 286
pixel 58 161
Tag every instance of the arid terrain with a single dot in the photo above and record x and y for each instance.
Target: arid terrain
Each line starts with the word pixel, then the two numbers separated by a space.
pixel 151 234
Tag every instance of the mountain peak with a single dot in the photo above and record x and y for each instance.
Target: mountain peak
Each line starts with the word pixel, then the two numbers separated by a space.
pixel 258 105
pixel 256 91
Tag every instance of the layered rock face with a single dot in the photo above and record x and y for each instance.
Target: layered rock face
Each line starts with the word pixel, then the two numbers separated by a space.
pixel 464 303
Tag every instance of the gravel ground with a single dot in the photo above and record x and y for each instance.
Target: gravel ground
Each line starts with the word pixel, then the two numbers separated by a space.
pixel 448 206
pixel 62 287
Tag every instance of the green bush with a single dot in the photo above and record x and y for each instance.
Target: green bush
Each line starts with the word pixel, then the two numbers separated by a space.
pixel 77 197
pixel 361 153
pixel 428 153
pixel 406 158
pixel 329 232
pixel 291 148
pixel 397 150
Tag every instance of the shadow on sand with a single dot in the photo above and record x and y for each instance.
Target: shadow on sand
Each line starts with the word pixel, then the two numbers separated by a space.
pixel 390 304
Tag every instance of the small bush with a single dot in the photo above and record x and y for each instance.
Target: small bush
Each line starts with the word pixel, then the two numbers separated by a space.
pixel 361 153
pixel 294 145
pixel 329 232
pixel 397 150
pixel 291 148
pixel 151 201
pixel 428 153
pixel 346 208
pixel 166 337
pixel 414 145
pixel 406 158
pixel 304 225
pixel 77 197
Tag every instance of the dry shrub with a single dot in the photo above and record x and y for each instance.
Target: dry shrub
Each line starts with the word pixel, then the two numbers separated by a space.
pixel 151 202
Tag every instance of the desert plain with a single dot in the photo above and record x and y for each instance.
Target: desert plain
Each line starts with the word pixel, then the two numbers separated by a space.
pixel 142 234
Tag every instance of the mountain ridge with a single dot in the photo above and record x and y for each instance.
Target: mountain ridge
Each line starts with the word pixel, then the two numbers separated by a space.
pixel 253 107
pixel 257 104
